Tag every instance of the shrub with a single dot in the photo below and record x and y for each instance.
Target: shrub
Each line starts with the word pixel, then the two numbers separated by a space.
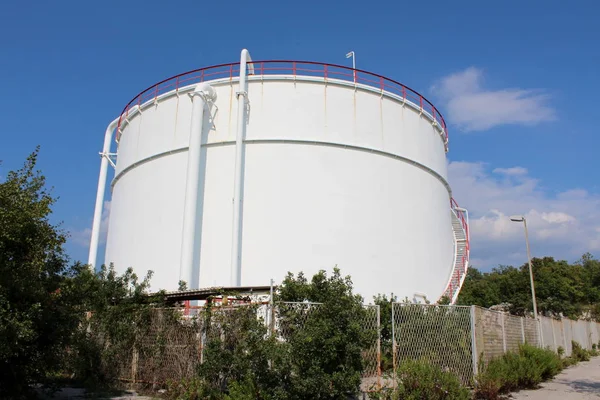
pixel 579 353
pixel 525 369
pixel 191 389
pixel 568 361
pixel 419 380
pixel 499 376
pixel 548 362
pixel 325 344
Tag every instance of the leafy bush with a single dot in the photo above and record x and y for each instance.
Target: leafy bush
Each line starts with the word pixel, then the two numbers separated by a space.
pixel 326 353
pixel 188 389
pixel 316 355
pixel 525 369
pixel 547 361
pixel 498 376
pixel 579 353
pixel 419 380
pixel 114 312
pixel 568 361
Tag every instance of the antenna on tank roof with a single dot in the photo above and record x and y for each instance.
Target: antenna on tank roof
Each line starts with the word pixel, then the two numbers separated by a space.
pixel 352 55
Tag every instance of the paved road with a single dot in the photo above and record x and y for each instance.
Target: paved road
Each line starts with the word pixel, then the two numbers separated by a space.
pixel 581 381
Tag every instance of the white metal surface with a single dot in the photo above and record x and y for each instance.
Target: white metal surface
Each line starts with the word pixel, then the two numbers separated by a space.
pixel 202 97
pixel 242 98
pixel 93 252
pixel 333 173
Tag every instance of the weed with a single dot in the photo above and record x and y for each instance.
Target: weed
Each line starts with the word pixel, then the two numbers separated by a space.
pixel 419 380
pixel 579 353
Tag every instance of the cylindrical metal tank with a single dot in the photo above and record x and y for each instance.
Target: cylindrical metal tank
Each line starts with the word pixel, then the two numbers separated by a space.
pixel 339 167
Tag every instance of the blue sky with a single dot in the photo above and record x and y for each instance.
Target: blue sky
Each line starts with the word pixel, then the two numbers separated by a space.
pixel 517 81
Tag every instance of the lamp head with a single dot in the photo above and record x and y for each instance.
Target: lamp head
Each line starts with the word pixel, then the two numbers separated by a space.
pixel 517 218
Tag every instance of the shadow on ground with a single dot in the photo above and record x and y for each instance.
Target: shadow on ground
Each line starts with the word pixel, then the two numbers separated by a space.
pixel 582 385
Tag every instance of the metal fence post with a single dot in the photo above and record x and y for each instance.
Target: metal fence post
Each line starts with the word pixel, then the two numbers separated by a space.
pixel 272 311
pixel 564 333
pixel 134 363
pixel 474 355
pixel 503 334
pixel 393 341
pixel 553 335
pixel 523 329
pixel 539 331
pixel 378 347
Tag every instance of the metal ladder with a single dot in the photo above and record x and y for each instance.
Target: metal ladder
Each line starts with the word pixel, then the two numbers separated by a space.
pixel 461 258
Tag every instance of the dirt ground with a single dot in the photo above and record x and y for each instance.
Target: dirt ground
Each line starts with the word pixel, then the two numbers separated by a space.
pixel 581 381
pixel 80 394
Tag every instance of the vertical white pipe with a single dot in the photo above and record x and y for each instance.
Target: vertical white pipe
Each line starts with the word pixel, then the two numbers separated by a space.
pixel 189 269
pixel 242 95
pixel 100 194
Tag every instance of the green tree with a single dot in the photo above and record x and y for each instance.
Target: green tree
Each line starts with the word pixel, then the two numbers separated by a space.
pixel 326 349
pixel 241 359
pixel 590 270
pixel 561 288
pixel 35 319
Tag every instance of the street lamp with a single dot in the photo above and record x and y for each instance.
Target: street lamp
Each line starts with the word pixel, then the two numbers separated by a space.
pixel 353 56
pixel 520 218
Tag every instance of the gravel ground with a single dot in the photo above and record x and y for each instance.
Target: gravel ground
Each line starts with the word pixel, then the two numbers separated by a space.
pixel 581 381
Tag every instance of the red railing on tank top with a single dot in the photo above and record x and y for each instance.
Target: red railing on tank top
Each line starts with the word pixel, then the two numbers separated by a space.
pixel 291 68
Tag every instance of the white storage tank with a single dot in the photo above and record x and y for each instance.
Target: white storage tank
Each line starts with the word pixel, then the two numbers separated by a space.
pixel 229 176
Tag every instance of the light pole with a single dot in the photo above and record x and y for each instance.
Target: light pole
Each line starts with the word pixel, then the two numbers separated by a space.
pixel 349 55
pixel 520 218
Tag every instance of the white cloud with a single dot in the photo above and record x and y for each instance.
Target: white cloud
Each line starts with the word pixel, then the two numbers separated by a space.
pixel 563 225
pixel 82 237
pixel 474 108
pixel 511 171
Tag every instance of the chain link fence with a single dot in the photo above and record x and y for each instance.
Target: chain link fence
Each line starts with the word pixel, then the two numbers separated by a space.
pixel 169 344
pixel 372 353
pixel 439 335
pixel 458 338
